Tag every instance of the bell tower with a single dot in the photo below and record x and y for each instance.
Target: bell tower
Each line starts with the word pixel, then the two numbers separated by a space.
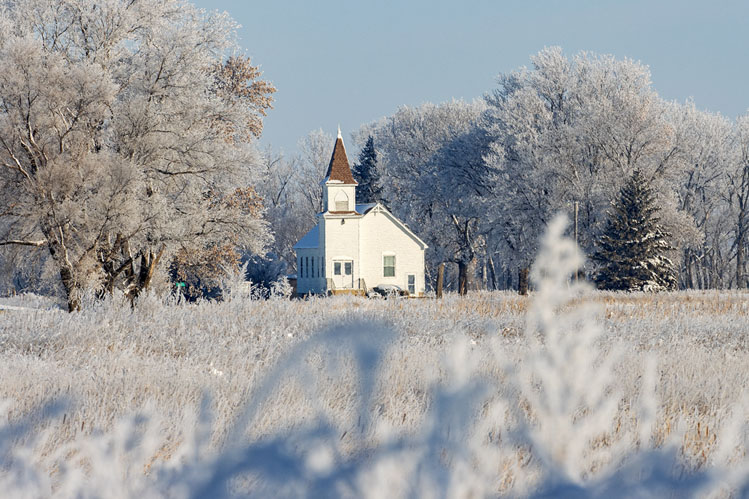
pixel 339 185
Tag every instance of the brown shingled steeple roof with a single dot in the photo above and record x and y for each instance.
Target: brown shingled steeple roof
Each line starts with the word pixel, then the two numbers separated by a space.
pixel 339 169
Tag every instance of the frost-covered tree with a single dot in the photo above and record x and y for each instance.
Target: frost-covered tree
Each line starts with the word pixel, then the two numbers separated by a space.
pixel 737 197
pixel 424 175
pixel 569 130
pixel 315 150
pixel 366 174
pixel 708 150
pixel 124 137
pixel 462 192
pixel 283 208
pixel 632 251
pixel 529 120
pixel 292 192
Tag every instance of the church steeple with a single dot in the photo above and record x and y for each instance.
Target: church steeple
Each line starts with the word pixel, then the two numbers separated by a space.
pixel 339 185
pixel 339 170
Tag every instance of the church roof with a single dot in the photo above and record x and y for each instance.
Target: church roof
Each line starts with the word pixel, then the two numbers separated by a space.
pixel 310 240
pixel 339 170
pixel 363 209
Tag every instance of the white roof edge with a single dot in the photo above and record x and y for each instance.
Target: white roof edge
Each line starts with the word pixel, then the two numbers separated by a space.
pixel 327 180
pixel 328 214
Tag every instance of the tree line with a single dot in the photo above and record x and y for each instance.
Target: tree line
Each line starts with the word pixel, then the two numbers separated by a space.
pixel 129 156
pixel 479 181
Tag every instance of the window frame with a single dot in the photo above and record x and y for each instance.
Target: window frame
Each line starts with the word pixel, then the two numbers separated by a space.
pixel 384 266
pixel 410 285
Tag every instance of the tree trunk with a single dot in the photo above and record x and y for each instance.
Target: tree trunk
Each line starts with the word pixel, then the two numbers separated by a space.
pixel 463 277
pixel 742 226
pixel 702 272
pixel 472 284
pixel 523 281
pixel 148 264
pixel 440 279
pixel 67 274
pixel 492 274
pixel 740 237
pixel 688 264
pixel 72 290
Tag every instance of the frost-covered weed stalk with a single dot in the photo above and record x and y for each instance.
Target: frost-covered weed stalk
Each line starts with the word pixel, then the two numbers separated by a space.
pixel 566 388
pixel 564 382
pixel 380 398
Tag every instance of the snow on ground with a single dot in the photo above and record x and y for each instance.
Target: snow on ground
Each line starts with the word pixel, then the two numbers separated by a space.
pixel 29 301
pixel 568 392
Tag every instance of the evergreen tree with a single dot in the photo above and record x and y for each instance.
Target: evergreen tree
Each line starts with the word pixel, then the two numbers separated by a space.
pixel 365 172
pixel 632 250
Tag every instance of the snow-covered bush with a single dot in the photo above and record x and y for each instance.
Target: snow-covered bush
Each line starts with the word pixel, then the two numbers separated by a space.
pixel 265 270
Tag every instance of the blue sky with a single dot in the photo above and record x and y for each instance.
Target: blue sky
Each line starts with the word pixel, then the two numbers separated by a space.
pixel 353 62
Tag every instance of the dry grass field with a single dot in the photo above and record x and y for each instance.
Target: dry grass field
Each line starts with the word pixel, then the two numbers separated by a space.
pixel 563 392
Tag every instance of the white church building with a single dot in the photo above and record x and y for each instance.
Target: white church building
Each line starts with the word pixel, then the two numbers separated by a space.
pixel 356 247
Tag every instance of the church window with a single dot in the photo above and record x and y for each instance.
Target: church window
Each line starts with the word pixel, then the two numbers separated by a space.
pixel 301 267
pixel 313 266
pixel 388 265
pixel 306 266
pixel 411 284
pixel 341 202
pixel 337 268
pixel 347 268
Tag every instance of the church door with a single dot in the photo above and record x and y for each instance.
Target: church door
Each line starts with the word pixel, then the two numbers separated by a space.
pixel 343 274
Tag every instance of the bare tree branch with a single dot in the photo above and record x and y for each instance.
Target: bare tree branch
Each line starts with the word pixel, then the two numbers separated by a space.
pixel 17 242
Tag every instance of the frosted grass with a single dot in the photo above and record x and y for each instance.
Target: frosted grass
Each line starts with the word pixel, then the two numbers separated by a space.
pixel 572 392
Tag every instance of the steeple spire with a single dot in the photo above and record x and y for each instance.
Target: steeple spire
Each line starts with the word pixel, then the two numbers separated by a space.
pixel 339 169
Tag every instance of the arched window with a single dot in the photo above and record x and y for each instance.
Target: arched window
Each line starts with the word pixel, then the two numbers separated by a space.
pixel 341 201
